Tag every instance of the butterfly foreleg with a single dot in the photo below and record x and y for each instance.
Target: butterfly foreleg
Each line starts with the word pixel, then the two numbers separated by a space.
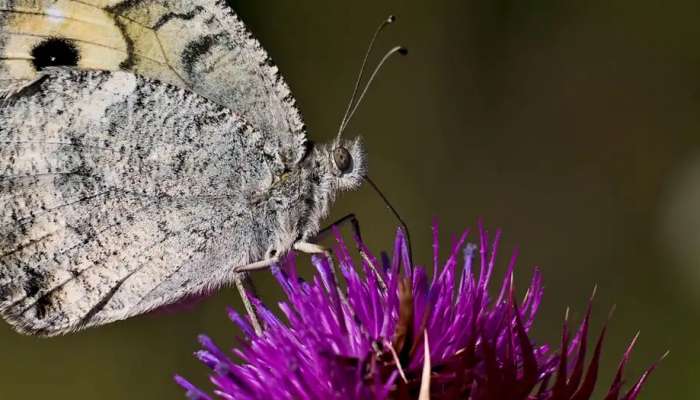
pixel 355 226
pixel 348 219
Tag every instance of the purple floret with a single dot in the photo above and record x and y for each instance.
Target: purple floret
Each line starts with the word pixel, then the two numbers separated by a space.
pixel 359 334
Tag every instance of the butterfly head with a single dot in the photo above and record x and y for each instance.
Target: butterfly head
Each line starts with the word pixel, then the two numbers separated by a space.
pixel 347 163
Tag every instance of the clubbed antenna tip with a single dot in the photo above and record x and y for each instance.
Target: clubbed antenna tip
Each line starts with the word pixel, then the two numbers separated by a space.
pixel 354 102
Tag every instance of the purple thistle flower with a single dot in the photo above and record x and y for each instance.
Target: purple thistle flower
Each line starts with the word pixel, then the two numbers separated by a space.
pixel 393 332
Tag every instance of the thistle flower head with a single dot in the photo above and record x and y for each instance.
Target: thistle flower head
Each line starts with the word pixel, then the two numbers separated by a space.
pixel 388 330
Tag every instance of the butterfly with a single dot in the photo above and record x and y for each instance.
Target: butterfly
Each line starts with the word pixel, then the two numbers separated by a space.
pixel 149 150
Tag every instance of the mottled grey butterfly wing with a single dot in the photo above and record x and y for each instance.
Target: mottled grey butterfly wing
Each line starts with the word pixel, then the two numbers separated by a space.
pixel 200 45
pixel 119 194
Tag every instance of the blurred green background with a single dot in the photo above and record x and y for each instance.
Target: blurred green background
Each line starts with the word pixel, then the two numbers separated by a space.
pixel 572 125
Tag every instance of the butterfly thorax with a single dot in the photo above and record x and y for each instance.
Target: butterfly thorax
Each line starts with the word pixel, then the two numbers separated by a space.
pixel 301 197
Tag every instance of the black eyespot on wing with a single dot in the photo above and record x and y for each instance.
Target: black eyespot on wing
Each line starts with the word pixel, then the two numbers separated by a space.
pixel 54 52
pixel 342 159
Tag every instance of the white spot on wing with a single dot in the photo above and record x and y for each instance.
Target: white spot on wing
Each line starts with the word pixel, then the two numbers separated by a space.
pixel 55 14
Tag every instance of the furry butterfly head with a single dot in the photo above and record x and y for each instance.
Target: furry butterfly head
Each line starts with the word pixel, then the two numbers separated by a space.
pixel 346 162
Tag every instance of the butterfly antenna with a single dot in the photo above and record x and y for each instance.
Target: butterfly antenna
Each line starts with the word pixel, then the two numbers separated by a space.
pixel 390 20
pixel 396 214
pixel 396 50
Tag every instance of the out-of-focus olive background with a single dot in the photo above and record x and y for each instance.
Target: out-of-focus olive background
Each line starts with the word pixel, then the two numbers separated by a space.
pixel 572 125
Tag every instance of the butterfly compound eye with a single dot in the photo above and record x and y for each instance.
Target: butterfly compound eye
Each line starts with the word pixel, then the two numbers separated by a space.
pixel 342 159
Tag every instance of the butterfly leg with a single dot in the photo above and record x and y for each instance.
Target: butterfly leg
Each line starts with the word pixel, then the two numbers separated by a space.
pixel 243 282
pixel 348 219
pixel 264 264
pixel 355 226
pixel 245 286
pixel 313 248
